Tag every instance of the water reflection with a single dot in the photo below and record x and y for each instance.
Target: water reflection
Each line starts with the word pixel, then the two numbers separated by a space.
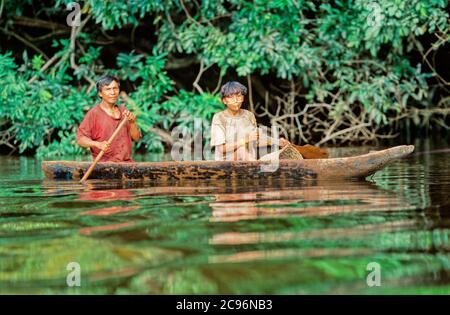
pixel 247 237
pixel 320 199
pixel 106 195
pixel 236 202
pixel 325 198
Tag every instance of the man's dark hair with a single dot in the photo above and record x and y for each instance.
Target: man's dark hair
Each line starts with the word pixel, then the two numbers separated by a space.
pixel 105 80
pixel 231 88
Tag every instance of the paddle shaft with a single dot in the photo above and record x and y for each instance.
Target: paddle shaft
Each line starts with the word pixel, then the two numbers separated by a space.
pixel 102 152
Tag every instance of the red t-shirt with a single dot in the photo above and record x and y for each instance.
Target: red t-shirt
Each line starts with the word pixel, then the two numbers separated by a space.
pixel 99 126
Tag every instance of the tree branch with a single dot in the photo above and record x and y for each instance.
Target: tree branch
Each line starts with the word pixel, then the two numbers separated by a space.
pixel 46 36
pixel 250 93
pixel 341 132
pixel 188 14
pixel 73 36
pixel 164 135
pixel 219 83
pixel 26 42
pixel 424 58
pixel 44 67
pixel 33 22
pixel 1 8
pixel 179 63
pixel 199 75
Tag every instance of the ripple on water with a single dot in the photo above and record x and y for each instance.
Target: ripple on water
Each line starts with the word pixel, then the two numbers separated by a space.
pixel 228 237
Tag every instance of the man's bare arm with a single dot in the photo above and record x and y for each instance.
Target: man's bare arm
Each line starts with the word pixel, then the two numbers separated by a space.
pixel 225 148
pixel 86 142
pixel 135 132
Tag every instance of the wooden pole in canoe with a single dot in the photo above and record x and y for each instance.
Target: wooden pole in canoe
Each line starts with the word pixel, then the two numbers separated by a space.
pixel 102 152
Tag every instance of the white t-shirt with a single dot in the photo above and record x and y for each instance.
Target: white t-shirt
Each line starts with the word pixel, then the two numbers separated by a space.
pixel 226 129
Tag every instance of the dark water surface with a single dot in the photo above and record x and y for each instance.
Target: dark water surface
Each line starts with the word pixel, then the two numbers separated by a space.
pixel 228 237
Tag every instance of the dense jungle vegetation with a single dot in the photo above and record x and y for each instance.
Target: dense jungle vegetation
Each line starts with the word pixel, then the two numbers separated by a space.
pixel 328 72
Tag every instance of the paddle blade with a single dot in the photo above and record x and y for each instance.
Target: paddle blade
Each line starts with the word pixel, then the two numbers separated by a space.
pixel 311 152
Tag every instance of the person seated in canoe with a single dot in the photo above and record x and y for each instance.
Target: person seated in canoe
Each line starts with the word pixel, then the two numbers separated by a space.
pixel 102 120
pixel 234 132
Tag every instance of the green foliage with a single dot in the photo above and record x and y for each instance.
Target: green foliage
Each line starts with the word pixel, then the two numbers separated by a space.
pixel 345 54
pixel 32 112
pixel 262 37
pixel 37 112
pixel 180 110
pixel 352 54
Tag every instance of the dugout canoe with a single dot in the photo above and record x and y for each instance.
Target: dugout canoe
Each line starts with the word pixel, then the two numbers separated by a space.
pixel 347 167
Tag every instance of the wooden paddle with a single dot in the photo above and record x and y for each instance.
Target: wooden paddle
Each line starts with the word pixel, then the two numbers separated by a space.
pixel 102 152
pixel 307 151
pixel 311 152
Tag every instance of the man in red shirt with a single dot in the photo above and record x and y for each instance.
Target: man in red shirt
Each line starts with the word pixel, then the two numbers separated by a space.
pixel 100 122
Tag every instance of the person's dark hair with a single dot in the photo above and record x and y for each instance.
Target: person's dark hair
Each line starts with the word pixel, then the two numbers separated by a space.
pixel 105 80
pixel 231 88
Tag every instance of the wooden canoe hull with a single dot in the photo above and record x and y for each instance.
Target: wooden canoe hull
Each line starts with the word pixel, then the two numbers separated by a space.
pixel 348 167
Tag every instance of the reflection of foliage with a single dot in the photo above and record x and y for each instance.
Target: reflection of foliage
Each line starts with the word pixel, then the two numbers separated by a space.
pixel 326 54
pixel 46 260
pixel 327 275
pixel 154 265
pixel 173 248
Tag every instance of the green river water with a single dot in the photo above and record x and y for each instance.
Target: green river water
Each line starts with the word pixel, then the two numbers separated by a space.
pixel 229 237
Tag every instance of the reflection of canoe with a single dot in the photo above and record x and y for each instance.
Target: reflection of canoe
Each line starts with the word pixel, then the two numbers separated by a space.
pixel 323 199
pixel 348 167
